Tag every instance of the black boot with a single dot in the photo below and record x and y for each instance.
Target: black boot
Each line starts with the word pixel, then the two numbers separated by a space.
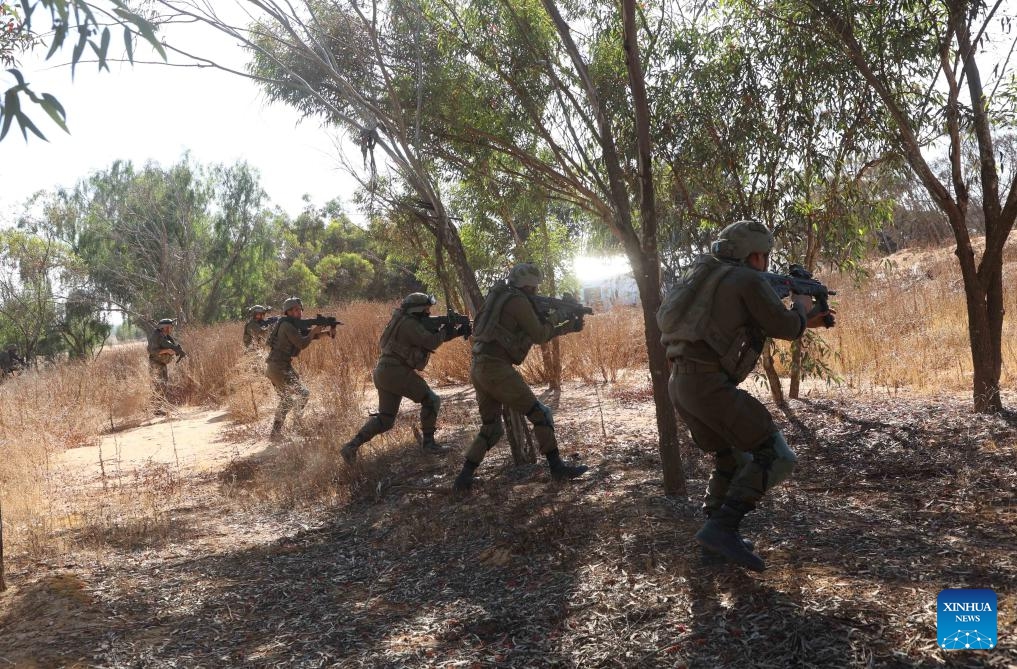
pixel 720 534
pixel 431 446
pixel 707 557
pixel 464 481
pixel 561 471
pixel 276 433
pixel 349 451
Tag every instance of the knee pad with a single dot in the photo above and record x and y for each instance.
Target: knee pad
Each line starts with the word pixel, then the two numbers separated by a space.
pixel 385 421
pixel 541 414
pixel 492 432
pixel 783 462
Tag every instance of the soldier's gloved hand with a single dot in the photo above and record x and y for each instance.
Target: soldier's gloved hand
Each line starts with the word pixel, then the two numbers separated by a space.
pixel 465 330
pixel 803 302
pixel 316 331
pixel 822 319
pixel 448 332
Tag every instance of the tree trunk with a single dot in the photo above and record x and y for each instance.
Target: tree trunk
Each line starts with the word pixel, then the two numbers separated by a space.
pixel 772 378
pixel 520 438
pixel 667 425
pixel 796 369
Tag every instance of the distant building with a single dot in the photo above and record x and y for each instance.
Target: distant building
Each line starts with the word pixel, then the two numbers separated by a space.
pixel 609 291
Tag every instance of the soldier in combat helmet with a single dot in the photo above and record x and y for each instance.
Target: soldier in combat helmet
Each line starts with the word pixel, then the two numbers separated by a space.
pixel 715 322
pixel 285 342
pixel 257 328
pixel 161 349
pixel 507 326
pixel 406 346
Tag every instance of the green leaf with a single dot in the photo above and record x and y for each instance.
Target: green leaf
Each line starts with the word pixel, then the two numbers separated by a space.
pixel 26 125
pixel 129 43
pixel 11 107
pixel 104 47
pixel 55 111
pixel 58 39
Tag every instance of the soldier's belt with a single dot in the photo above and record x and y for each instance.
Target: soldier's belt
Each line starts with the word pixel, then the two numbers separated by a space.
pixel 682 366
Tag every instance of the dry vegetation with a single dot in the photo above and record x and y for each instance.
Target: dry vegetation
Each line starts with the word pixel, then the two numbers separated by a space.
pixel 288 558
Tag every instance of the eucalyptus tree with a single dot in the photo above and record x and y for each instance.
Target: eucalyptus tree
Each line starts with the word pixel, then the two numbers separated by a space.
pixel 357 66
pixel 185 241
pixel 942 71
pixel 90 27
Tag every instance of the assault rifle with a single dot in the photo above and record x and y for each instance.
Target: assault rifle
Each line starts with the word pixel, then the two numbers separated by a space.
pixel 453 321
pixel 799 280
pixel 329 322
pixel 271 320
pixel 567 308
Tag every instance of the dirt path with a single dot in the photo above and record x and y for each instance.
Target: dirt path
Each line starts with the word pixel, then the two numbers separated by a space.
pixel 191 441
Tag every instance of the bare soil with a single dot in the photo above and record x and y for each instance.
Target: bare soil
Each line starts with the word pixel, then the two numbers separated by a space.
pixel 896 497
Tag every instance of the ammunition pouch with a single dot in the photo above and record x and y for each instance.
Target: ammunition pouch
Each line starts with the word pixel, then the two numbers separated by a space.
pixel 739 356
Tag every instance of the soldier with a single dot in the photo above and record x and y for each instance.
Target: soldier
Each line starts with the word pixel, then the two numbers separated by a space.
pixel 286 341
pixel 256 330
pixel 505 329
pixel 406 346
pixel 714 324
pixel 161 349
pixel 10 361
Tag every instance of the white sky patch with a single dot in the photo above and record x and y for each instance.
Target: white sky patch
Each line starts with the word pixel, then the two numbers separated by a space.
pixel 595 268
pixel 157 112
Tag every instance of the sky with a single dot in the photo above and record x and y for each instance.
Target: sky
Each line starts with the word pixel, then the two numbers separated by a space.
pixel 155 112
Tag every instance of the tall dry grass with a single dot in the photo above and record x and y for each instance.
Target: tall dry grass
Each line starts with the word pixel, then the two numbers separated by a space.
pixel 906 326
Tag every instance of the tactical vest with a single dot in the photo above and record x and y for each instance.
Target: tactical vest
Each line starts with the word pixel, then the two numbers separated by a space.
pixel 391 344
pixel 685 317
pixel 488 327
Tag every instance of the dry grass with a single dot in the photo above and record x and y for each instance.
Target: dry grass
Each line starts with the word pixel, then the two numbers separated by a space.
pixel 906 326
pixel 903 328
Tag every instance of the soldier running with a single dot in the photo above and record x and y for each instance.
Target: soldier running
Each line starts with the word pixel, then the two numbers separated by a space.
pixel 161 349
pixel 507 326
pixel 406 346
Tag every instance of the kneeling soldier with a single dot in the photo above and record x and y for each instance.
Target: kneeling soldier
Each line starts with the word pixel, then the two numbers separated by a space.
pixel 286 341
pixel 505 329
pixel 406 346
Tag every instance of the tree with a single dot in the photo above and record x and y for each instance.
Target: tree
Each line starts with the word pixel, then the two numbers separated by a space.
pixel 187 242
pixel 89 26
pixel 925 62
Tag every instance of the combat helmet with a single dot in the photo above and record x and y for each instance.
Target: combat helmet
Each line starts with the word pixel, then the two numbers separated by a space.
pixel 167 321
pixel 259 309
pixel 525 275
pixel 415 303
pixel 291 302
pixel 741 239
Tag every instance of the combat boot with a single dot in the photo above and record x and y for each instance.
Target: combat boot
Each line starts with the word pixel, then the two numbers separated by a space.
pixel 561 471
pixel 431 446
pixel 720 535
pixel 276 435
pixel 464 482
pixel 349 451
pixel 707 558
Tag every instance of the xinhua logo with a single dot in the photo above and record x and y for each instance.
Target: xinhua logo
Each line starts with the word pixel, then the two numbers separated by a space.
pixel 966 619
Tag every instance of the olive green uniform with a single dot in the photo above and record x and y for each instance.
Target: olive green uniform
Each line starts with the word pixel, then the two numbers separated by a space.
pixel 406 346
pixel 286 342
pixel 256 332
pixel 10 362
pixel 505 330
pixel 161 349
pixel 741 310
